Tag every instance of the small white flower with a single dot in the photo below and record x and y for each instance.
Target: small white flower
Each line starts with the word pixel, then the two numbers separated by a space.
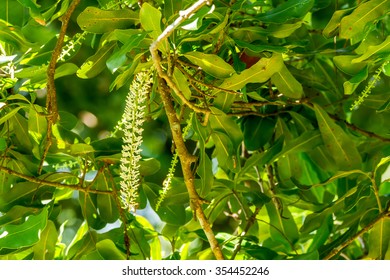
pixel 131 124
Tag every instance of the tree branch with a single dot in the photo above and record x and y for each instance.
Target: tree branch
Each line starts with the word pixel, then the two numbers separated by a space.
pixel 338 249
pixel 186 159
pixel 183 15
pixel 42 182
pixel 51 100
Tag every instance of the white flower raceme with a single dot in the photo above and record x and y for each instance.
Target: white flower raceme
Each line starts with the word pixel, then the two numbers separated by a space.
pixel 131 124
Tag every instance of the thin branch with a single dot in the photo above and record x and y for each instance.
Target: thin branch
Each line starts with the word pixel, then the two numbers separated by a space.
pixel 51 101
pixel 186 159
pixel 183 15
pixel 338 249
pixel 42 182
pixel 249 224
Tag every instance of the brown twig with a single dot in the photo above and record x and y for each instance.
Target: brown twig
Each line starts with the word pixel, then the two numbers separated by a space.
pixel 183 15
pixel 338 249
pixel 77 187
pixel 51 101
pixel 186 159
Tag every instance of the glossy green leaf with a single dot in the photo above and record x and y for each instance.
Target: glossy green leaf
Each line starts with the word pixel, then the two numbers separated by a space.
pixel 171 8
pixel 99 21
pixel 379 239
pixel 95 64
pixel 351 85
pixel 338 143
pixel 205 166
pixel 219 121
pixel 90 210
pixel 109 251
pixel 172 214
pixel 224 148
pixel 291 9
pixel 211 64
pixel 46 246
pixel 182 83
pixel 108 208
pixel 376 50
pixel 283 30
pixel 257 132
pixel 149 166
pixel 355 23
pixel 119 57
pixel 150 18
pixel 25 234
pixel 333 25
pixel 258 73
pixel 287 84
pixel 346 64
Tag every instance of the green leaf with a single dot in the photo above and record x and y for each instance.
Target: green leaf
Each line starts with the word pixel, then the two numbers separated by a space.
pixel 88 203
pixel 303 143
pixel 351 85
pixel 99 21
pixel 46 246
pixel 150 18
pixel 149 166
pixel 283 30
pixel 95 64
pixel 223 148
pixel 108 250
pixel 211 64
pixel 355 23
pixel 171 8
pixel 333 25
pixel 291 9
pixel 219 121
pixel 345 63
pixel 106 205
pixel 379 239
pixel 172 214
pixel 258 73
pixel 287 84
pixel 119 57
pixel 339 144
pixel 376 50
pixel 182 83
pixel 257 131
pixel 25 234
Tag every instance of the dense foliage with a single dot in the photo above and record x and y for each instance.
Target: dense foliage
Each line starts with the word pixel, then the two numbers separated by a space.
pixel 263 127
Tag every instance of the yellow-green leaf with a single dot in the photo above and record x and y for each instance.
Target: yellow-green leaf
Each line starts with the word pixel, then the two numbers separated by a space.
pixel 211 64
pixel 99 21
pixel 287 84
pixel 355 23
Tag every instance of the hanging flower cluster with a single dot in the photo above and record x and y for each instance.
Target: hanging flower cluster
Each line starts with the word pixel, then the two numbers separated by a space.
pixel 131 124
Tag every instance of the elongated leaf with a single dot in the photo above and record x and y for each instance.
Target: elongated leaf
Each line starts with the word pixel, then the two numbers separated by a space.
pixel 109 251
pixel 182 83
pixel 307 141
pixel 107 207
pixel 150 18
pixel 338 143
pixel 333 25
pixel 90 211
pixel 99 21
pixel 25 234
pixel 223 148
pixel 45 248
pixel 351 85
pixel 287 84
pixel 118 58
pixel 95 64
pixel 204 171
pixel 257 132
pixel 211 64
pixel 171 7
pixel 345 63
pixel 379 239
pixel 374 50
pixel 219 121
pixel 354 24
pixel 288 10
pixel 258 73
